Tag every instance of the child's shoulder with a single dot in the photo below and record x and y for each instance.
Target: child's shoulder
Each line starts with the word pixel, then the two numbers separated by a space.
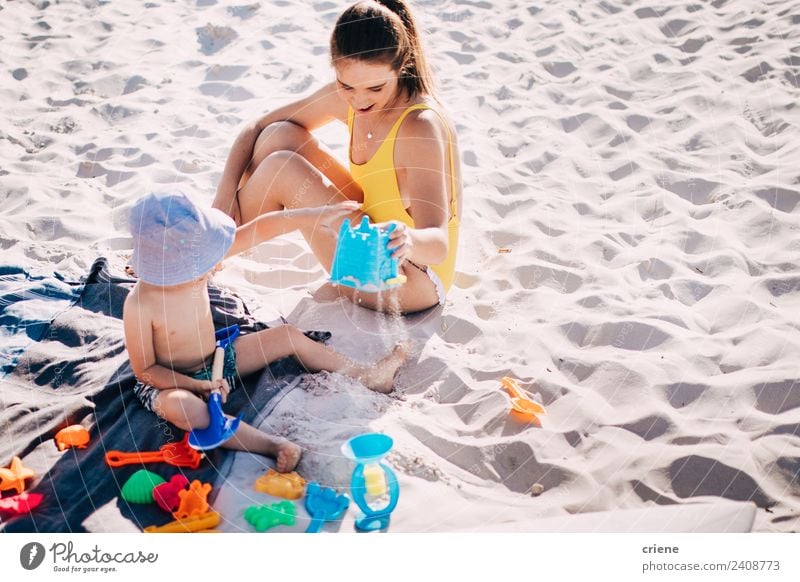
pixel 136 303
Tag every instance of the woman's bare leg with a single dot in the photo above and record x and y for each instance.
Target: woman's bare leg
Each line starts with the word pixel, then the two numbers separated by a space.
pixel 288 180
pixel 290 169
pixel 285 136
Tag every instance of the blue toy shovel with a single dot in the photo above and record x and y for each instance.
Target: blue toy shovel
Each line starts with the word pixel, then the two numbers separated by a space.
pixel 323 504
pixel 220 428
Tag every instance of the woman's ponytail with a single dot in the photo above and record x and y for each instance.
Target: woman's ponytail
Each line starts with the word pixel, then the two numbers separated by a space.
pixel 384 31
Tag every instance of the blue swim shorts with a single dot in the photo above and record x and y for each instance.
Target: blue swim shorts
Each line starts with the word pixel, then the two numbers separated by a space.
pixel 147 394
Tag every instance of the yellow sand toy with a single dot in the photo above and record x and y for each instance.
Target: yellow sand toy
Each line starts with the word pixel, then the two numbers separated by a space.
pixel 521 403
pixel 195 523
pixel 286 485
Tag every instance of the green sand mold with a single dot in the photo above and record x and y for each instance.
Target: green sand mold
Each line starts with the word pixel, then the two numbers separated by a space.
pixel 263 517
pixel 139 488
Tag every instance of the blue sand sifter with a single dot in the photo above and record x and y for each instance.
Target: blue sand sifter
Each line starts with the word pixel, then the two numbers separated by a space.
pixel 374 485
pixel 220 428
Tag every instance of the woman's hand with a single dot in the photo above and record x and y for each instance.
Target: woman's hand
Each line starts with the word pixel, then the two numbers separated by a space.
pixel 400 242
pixel 229 205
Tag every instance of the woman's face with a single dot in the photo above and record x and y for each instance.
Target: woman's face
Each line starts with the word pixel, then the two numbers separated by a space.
pixel 366 86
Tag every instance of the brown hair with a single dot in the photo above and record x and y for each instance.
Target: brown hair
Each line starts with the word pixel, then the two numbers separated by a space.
pixel 384 31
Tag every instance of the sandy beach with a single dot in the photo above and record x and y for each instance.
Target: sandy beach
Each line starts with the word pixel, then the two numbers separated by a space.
pixel 630 244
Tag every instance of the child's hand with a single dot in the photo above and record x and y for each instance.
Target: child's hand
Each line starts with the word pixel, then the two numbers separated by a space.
pixel 400 242
pixel 327 216
pixel 208 387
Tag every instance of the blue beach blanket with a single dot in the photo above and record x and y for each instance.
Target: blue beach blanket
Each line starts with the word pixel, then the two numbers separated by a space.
pixel 28 303
pixel 64 362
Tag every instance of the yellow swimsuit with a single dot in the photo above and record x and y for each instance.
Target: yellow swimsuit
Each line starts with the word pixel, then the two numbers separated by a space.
pixel 382 201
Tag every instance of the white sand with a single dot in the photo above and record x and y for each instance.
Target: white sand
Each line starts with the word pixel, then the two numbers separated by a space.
pixel 634 159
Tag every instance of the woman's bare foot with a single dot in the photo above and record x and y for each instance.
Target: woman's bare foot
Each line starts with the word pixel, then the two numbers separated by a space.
pixel 380 377
pixel 287 457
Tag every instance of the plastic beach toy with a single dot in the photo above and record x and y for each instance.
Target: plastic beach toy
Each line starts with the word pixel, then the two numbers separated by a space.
pixel 22 503
pixel 220 428
pixel 362 260
pixel 193 501
pixel 179 454
pixel 323 504
pixel 196 523
pixel 263 517
pixel 286 485
pixel 14 476
pixel 166 494
pixel 374 486
pixel 520 401
pixel 139 488
pixel 72 436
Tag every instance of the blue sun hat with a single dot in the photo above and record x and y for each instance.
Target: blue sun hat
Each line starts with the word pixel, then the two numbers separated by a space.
pixel 174 240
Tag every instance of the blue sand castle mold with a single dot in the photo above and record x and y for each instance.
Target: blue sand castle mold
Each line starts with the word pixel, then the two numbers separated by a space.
pixel 373 481
pixel 323 504
pixel 362 260
pixel 220 428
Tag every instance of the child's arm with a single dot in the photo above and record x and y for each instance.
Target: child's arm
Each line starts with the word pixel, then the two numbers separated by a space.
pixel 272 224
pixel 139 343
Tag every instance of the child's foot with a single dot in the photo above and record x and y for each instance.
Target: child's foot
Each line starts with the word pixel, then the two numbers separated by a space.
pixel 287 457
pixel 381 376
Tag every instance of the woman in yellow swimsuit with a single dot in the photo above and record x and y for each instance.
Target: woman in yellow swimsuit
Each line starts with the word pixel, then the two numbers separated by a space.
pixel 404 163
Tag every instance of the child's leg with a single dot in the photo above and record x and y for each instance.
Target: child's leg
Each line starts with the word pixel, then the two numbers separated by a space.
pixel 182 408
pixel 255 350
pixel 188 411
pixel 249 438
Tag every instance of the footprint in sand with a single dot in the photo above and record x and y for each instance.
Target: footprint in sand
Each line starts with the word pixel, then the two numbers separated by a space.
pixel 675 28
pixel 654 269
pixel 560 69
pixel 651 12
pixel 757 73
pixel 649 427
pixel 777 397
pixel 637 122
pixel 697 476
pixel 457 330
pixel 244 12
pixel 212 38
pixel 461 58
pixel 225 72
pixel 682 394
pixel 697 191
pixel 535 276
pixel 781 199
pixel 623 171
pixel 226 91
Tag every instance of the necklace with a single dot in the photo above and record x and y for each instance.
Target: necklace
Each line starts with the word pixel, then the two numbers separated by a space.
pixel 370 126
pixel 369 129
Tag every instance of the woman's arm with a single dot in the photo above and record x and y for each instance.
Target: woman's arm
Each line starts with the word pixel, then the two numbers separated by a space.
pixel 311 112
pixel 421 153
